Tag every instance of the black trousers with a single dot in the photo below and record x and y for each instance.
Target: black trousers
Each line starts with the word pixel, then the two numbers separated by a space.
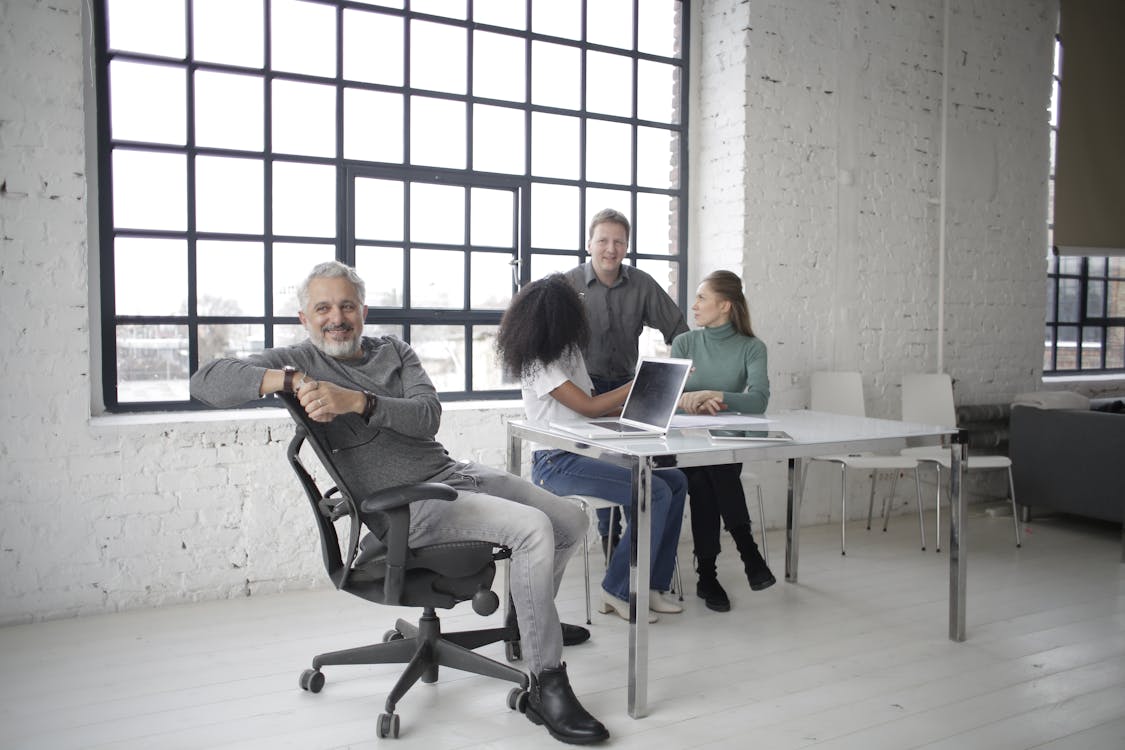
pixel 715 495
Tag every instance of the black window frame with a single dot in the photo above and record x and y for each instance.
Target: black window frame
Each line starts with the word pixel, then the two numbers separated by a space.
pixel 343 243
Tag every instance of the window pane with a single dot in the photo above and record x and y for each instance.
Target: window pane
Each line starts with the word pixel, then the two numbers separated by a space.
pixel 373 48
pixel 1096 267
pixel 657 92
pixel 1047 342
pixel 509 13
pixel 609 84
pixel 304 119
pixel 492 218
pixel 228 110
pixel 379 209
pixel 381 269
pixel 149 190
pixel 611 24
pixel 491 281
pixel 498 138
pixel 152 26
pixel 289 335
pixel 220 340
pixel 609 152
pixel 228 195
pixel 544 265
pixel 437 278
pixel 449 8
pixel 230 278
pixel 229 31
pixel 1115 347
pixel 554 217
pixel 152 363
pixel 658 157
pixel 555 70
pixel 291 264
pixel 557 18
pixel 1069 300
pixel 437 133
pixel 1095 298
pixel 150 276
pixel 372 126
pixel 655 227
pixel 304 199
pixel 303 37
pixel 1067 348
pixel 498 67
pixel 666 274
pixel 658 24
pixel 1070 264
pixel 599 198
pixel 554 146
pixel 1091 349
pixel 1116 300
pixel 437 57
pixel 148 102
pixel 442 351
pixel 488 374
pixel 437 213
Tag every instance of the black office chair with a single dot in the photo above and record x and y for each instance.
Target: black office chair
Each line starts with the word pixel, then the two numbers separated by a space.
pixel 385 570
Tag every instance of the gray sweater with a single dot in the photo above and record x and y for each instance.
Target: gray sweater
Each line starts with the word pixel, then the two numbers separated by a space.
pixel 396 446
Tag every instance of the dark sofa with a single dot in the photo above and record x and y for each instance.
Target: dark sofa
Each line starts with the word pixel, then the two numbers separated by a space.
pixel 1069 460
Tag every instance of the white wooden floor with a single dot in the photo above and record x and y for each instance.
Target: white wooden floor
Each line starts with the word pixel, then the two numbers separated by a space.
pixel 856 655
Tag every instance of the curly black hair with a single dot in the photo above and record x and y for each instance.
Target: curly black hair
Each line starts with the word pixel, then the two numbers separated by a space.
pixel 543 320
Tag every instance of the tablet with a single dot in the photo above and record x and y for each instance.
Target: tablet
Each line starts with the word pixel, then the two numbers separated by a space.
pixel 741 434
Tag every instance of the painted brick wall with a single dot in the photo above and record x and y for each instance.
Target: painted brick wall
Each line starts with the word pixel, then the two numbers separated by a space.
pixel 816 134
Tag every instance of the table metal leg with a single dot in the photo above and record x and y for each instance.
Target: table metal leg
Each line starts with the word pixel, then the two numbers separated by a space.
pixel 640 540
pixel 793 517
pixel 957 543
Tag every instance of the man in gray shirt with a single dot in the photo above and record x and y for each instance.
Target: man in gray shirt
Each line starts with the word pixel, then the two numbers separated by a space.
pixel 381 414
pixel 620 300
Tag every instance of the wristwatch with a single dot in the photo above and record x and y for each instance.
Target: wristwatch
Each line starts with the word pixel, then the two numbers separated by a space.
pixel 287 382
pixel 369 405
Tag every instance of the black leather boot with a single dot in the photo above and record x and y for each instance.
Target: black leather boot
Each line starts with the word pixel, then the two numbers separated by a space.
pixel 572 635
pixel 708 588
pixel 757 571
pixel 552 703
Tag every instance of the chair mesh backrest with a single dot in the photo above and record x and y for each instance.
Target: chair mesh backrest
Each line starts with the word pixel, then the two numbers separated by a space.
pixel 928 399
pixel 837 393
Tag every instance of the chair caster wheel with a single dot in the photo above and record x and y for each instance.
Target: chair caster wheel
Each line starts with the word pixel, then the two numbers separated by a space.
pixel 517 700
pixel 388 726
pixel 392 635
pixel 311 680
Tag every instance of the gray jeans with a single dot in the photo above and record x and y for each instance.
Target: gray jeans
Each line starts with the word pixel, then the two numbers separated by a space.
pixel 541 529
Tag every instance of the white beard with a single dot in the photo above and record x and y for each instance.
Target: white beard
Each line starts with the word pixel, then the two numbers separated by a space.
pixel 336 349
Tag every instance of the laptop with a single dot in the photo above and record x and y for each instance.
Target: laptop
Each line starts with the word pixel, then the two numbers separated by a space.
pixel 648 408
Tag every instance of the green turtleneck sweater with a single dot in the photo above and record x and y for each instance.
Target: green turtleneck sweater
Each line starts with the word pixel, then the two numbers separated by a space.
pixel 727 361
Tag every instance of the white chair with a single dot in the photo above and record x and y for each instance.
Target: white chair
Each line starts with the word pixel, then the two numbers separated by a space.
pixel 842 393
pixel 928 398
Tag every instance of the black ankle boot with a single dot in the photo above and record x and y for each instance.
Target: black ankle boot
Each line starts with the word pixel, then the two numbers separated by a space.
pixel 708 588
pixel 572 635
pixel 757 571
pixel 552 703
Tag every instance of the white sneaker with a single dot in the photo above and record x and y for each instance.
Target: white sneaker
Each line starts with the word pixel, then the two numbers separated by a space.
pixel 619 607
pixel 657 603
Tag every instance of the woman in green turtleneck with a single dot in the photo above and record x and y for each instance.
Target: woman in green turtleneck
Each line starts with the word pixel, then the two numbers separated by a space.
pixel 729 373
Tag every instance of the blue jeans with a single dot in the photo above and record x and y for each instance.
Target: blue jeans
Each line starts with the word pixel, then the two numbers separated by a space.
pixel 566 473
pixel 601 385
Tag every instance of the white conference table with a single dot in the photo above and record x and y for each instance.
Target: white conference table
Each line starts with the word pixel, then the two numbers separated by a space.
pixel 814 434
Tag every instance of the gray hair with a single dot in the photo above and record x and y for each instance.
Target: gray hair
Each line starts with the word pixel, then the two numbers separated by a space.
pixel 611 215
pixel 332 269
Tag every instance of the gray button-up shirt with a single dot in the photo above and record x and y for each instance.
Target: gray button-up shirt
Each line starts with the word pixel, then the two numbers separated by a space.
pixel 618 313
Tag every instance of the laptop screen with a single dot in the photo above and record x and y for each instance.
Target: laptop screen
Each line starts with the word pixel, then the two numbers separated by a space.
pixel 656 390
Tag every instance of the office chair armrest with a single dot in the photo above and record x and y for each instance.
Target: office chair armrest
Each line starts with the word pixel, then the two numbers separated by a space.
pixel 389 511
pixel 394 497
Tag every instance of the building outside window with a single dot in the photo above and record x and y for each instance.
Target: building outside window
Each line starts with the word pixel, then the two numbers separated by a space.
pixel 449 149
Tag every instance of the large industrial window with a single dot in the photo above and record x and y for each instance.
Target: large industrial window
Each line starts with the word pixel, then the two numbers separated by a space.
pixel 1085 328
pixel 449 149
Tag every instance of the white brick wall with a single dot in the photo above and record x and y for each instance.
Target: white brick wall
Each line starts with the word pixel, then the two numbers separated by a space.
pixel 107 514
